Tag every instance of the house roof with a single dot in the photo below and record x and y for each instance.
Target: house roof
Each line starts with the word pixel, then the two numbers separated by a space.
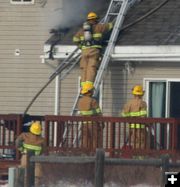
pixel 160 28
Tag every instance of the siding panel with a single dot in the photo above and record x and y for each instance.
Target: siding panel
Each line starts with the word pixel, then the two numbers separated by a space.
pixel 24 27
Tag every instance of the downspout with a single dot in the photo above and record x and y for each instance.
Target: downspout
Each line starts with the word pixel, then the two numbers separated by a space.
pixel 57 94
pixel 56 106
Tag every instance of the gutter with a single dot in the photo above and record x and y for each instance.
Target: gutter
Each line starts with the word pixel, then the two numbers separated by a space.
pixel 164 53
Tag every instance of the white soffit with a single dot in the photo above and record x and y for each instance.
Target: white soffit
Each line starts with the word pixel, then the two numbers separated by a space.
pixel 125 53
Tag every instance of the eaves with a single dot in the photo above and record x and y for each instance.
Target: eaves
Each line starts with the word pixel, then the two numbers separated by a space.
pixel 164 53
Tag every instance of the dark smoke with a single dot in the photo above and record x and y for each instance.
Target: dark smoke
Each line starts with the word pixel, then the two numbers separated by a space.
pixel 69 13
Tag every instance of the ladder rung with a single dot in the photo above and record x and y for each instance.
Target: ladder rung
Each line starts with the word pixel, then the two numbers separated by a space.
pixel 113 14
pixel 118 0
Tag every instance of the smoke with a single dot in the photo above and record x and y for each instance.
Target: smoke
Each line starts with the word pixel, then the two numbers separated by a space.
pixel 69 13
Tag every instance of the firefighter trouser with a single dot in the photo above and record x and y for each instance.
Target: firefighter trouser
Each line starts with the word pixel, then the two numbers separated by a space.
pixel 137 138
pixel 89 64
pixel 38 170
pixel 92 135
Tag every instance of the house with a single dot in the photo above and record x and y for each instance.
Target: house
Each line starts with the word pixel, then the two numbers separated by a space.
pixel 146 53
pixel 25 27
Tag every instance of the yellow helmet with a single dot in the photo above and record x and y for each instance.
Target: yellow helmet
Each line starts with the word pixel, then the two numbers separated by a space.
pixel 138 90
pixel 92 15
pixel 88 86
pixel 36 128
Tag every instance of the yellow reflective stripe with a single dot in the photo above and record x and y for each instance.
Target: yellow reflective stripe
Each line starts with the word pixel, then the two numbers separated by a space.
pixel 97 35
pixel 136 114
pixel 92 46
pixel 82 38
pixel 124 114
pixel 110 26
pixel 143 112
pixel 98 110
pixel 35 148
pixel 84 113
pixel 76 39
pixel 136 126
pixel 91 112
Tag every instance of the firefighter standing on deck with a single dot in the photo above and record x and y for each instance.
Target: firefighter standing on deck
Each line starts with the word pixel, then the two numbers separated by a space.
pixel 136 108
pixel 88 106
pixel 34 142
pixel 89 39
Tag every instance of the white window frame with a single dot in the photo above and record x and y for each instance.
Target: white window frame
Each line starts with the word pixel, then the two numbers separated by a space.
pixel 146 82
pixel 21 2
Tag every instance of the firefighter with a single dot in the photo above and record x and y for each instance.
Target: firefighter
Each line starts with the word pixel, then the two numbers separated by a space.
pixel 90 39
pixel 88 106
pixel 31 141
pixel 136 108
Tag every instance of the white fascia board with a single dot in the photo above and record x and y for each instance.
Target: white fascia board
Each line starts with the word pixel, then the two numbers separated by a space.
pixel 147 53
pixel 59 51
pixel 125 53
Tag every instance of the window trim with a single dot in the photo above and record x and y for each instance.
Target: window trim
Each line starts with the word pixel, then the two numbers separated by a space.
pixel 146 82
pixel 22 2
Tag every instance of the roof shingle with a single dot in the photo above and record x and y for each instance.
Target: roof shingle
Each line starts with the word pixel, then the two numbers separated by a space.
pixel 160 28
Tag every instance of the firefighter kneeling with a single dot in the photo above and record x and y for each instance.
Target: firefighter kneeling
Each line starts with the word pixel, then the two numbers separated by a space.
pixel 31 141
pixel 88 106
pixel 136 108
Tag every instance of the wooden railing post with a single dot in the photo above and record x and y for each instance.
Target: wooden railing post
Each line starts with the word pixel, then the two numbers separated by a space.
pixel 46 134
pixel 112 139
pixel 18 132
pixel 165 168
pixel 99 168
pixel 175 136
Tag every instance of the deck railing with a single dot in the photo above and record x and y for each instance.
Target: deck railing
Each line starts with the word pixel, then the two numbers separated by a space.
pixel 66 135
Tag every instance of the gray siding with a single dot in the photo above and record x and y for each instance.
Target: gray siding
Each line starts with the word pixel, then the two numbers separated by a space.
pixel 118 83
pixel 24 27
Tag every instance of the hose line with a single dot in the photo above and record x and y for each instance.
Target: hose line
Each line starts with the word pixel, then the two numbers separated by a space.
pixel 124 28
pixel 145 15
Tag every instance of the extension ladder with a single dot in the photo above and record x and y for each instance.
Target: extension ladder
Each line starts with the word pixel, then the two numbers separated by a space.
pixel 116 12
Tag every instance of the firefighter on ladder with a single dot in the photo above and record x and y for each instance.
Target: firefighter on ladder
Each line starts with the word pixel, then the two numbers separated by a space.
pixel 136 108
pixel 88 106
pixel 90 39
pixel 31 141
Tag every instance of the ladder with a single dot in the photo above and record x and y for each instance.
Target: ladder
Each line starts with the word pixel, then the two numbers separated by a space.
pixel 116 13
pixel 67 65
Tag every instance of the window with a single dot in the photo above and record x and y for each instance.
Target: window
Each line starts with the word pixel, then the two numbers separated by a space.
pixel 22 1
pixel 162 96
